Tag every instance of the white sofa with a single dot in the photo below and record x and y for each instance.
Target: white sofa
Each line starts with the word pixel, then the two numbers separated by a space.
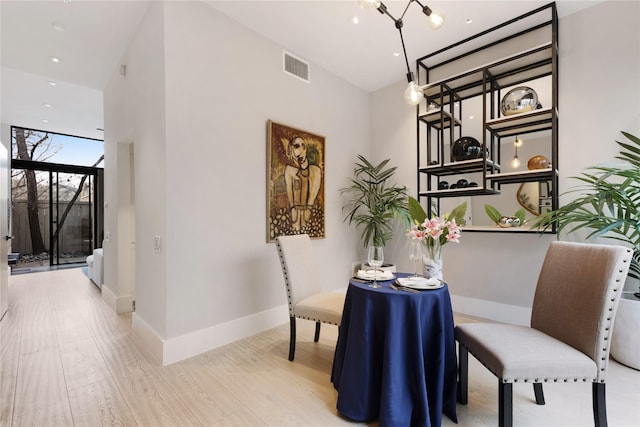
pixel 94 264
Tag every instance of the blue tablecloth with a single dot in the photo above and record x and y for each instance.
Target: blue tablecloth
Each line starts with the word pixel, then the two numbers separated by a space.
pixel 395 359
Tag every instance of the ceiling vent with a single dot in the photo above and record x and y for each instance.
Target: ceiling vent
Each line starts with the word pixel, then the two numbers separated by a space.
pixel 295 66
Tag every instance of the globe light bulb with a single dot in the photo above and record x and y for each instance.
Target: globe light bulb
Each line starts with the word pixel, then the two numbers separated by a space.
pixel 369 4
pixel 515 162
pixel 435 20
pixel 413 94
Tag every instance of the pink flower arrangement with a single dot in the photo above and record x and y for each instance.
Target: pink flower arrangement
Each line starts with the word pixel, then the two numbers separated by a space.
pixel 434 233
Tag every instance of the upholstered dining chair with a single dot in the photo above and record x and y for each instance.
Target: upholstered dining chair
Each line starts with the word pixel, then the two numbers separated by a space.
pixel 304 294
pixel 572 318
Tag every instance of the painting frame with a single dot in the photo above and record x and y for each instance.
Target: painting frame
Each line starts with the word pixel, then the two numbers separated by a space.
pixel 295 182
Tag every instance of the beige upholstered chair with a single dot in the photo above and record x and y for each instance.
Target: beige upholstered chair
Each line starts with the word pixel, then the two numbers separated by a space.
pixel 306 300
pixel 572 317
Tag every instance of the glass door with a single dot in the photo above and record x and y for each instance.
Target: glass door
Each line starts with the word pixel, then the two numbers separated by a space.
pixel 56 204
pixel 53 217
pixel 71 218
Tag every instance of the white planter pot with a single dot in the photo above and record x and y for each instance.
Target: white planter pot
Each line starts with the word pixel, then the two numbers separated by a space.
pixel 625 342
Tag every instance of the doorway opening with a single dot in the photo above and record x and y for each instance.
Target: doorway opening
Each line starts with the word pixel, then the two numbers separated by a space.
pixel 56 214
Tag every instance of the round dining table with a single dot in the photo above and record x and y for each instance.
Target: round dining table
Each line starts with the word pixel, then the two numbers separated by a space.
pixel 395 359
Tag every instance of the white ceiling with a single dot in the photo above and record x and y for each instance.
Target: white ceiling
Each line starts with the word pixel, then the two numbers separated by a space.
pixel 95 36
pixel 96 33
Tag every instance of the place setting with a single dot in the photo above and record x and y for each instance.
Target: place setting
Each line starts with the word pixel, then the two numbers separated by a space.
pixel 419 283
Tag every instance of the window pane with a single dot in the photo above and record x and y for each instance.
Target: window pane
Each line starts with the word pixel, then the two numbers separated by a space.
pixel 28 144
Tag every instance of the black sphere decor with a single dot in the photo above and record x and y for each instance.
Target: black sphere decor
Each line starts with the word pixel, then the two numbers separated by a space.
pixel 466 148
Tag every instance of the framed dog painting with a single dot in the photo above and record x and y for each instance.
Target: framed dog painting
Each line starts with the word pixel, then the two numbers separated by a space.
pixel 295 182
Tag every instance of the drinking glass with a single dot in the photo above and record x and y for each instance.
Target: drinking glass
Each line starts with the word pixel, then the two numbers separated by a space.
pixel 375 259
pixel 415 255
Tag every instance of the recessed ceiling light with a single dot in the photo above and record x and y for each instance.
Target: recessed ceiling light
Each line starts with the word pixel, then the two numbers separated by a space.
pixel 468 20
pixel 55 59
pixel 471 117
pixel 52 83
pixel 396 53
pixel 45 121
pixel 58 26
pixel 47 105
pixel 354 20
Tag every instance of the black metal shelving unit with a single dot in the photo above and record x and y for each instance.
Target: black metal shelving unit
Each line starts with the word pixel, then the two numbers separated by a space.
pixel 513 53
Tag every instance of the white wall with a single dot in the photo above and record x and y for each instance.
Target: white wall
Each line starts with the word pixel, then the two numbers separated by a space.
pixel 135 112
pixel 195 101
pixel 491 274
pixel 206 166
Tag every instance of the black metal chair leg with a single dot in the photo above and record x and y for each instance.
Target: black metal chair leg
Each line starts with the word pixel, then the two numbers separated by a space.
pixel 463 374
pixel 599 405
pixel 505 404
pixel 537 390
pixel 316 337
pixel 292 337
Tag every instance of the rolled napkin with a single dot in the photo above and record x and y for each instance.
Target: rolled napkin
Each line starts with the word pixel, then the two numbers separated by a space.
pixel 377 274
pixel 419 282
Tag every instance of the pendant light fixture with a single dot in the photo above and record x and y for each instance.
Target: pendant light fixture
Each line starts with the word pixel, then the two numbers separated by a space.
pixel 413 94
pixel 515 163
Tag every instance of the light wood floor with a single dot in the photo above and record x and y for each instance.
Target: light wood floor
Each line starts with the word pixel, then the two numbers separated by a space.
pixel 67 360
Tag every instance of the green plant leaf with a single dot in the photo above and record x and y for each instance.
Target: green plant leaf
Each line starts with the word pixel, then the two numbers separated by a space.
pixel 417 212
pixel 606 203
pixel 458 213
pixel 492 213
pixel 520 214
pixel 374 202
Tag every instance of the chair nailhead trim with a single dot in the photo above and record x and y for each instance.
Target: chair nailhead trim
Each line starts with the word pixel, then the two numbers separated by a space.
pixel 317 320
pixel 555 380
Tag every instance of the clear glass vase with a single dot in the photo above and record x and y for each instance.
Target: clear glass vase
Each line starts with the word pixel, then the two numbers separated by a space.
pixel 432 260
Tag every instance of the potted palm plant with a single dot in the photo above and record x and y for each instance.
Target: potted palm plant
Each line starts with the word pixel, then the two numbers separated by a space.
pixel 607 206
pixel 374 203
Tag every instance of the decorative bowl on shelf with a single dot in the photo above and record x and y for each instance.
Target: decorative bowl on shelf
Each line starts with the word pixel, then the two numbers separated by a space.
pixel 433 106
pixel 466 148
pixel 538 162
pixel 509 221
pixel 521 99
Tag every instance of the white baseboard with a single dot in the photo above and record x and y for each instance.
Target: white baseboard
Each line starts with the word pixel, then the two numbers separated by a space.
pixel 123 304
pixel 499 312
pixel 151 342
pixel 193 343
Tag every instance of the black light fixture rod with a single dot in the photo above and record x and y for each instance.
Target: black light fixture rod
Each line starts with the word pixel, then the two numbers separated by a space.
pixel 425 9
pixel 406 8
pixel 383 9
pixel 404 50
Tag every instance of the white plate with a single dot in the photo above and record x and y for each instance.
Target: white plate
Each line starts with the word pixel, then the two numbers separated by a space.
pixel 379 275
pixel 419 283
